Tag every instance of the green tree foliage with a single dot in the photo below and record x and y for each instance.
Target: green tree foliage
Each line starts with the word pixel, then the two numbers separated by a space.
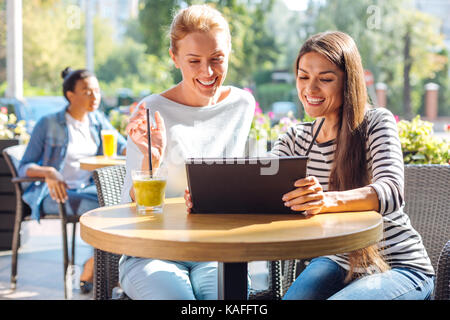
pixel 398 43
pixel 129 66
pixel 49 45
pixel 155 17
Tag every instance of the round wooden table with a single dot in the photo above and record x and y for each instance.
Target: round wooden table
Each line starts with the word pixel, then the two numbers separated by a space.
pixel 227 238
pixel 92 163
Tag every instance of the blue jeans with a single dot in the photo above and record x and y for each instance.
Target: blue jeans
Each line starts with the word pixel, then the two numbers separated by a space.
pixel 324 279
pixel 80 201
pixel 152 279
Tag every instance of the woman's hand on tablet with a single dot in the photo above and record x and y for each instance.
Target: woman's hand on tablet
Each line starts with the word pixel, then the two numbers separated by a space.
pixel 188 201
pixel 308 196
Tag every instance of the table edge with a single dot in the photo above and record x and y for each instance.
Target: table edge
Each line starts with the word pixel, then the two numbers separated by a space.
pixel 256 251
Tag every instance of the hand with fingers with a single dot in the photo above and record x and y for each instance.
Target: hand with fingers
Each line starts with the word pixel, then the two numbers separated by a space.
pixel 137 130
pixel 308 196
pixel 188 200
pixel 56 186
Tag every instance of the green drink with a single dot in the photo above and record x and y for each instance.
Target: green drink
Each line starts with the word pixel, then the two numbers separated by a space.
pixel 149 191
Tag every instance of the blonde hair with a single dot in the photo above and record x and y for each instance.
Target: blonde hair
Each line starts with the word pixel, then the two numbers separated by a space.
pixel 341 50
pixel 196 18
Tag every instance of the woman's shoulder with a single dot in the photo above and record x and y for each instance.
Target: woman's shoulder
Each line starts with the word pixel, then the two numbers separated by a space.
pixel 155 97
pixel 51 119
pixel 376 114
pixel 241 95
pixel 380 121
pixel 301 129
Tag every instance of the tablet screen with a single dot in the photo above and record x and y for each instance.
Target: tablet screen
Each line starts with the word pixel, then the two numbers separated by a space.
pixel 243 185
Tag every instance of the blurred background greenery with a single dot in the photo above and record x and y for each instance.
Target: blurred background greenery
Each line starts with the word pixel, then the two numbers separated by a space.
pixel 401 45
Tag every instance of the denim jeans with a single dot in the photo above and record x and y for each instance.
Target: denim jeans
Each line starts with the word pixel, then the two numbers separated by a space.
pixel 152 279
pixel 324 279
pixel 80 201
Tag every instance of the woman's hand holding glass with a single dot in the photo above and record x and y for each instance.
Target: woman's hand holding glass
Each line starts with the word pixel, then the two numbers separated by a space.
pixel 308 196
pixel 137 130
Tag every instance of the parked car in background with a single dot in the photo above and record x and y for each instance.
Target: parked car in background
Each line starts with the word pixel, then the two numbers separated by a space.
pixel 31 109
pixel 37 107
pixel 11 103
pixel 281 109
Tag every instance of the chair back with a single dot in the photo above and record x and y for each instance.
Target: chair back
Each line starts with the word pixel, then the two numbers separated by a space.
pixel 12 156
pixel 109 182
pixel 427 203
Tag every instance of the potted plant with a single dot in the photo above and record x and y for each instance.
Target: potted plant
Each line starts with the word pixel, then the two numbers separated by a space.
pixel 11 133
pixel 419 145
pixel 259 133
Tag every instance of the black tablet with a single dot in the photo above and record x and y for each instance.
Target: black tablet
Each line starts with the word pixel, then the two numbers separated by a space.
pixel 243 185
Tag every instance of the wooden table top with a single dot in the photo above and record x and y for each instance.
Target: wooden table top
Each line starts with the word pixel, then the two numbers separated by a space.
pixel 176 235
pixel 95 162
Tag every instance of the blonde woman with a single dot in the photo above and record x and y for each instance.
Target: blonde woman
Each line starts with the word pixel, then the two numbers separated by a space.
pixel 202 118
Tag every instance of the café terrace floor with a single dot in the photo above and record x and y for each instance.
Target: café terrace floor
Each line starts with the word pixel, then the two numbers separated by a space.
pixel 40 264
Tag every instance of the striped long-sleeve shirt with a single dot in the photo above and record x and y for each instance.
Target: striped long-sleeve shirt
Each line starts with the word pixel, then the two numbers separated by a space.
pixel 402 245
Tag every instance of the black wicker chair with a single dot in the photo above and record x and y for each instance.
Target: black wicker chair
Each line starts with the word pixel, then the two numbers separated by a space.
pixel 442 288
pixel 109 181
pixel 427 203
pixel 12 156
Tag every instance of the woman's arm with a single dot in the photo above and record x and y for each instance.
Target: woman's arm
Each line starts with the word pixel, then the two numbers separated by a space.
pixel 310 197
pixel 387 161
pixel 55 181
pixel 29 164
pixel 35 149
pixel 138 156
pixel 384 194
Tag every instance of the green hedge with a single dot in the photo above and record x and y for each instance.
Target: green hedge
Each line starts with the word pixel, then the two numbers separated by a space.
pixel 268 93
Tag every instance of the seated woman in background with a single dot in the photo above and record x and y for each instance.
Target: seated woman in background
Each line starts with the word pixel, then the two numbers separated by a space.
pixel 355 164
pixel 57 143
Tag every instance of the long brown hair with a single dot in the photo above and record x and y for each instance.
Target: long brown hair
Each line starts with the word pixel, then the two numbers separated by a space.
pixel 349 169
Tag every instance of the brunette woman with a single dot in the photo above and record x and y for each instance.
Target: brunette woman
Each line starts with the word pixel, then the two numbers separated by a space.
pixel 356 164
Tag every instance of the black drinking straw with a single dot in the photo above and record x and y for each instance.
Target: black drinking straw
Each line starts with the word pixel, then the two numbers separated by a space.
pixel 149 138
pixel 315 136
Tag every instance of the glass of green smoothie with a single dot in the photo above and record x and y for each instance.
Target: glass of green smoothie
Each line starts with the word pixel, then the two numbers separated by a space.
pixel 149 190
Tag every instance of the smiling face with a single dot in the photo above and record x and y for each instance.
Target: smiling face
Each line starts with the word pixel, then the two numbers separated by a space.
pixel 320 85
pixel 202 58
pixel 86 95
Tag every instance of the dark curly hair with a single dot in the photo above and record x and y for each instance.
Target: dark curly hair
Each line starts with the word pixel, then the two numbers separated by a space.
pixel 71 77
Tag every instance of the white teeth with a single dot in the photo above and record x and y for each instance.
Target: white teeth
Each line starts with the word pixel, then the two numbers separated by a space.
pixel 314 101
pixel 207 83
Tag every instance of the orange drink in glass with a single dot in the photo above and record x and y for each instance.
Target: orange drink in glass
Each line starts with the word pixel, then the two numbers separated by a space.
pixel 109 141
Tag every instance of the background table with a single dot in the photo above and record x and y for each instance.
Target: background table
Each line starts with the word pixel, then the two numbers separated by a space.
pixel 231 239
pixel 92 163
